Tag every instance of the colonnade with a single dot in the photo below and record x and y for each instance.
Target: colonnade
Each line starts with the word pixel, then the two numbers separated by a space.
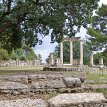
pixel 71 40
pixel 71 50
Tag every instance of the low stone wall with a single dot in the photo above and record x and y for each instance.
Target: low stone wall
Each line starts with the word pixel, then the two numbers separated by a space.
pixel 78 69
pixel 23 84
pixel 20 63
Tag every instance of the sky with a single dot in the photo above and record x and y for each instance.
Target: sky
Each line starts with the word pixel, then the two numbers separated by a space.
pixel 46 48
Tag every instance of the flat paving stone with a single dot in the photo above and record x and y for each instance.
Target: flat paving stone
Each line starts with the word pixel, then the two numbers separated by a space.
pixel 23 103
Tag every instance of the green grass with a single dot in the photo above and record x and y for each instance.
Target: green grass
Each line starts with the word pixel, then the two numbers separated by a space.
pixel 15 69
pixel 97 76
pixel 22 68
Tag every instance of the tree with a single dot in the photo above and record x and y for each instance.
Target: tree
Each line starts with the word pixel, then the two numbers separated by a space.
pixel 55 55
pixel 22 20
pixel 4 55
pixel 96 57
pixel 23 53
pixel 98 29
pixel 29 53
pixel 39 57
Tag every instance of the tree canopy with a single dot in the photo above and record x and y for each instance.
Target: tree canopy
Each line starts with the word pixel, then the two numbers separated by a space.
pixel 22 20
pixel 98 29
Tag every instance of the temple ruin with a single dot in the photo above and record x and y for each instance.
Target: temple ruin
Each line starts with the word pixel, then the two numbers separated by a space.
pixel 71 40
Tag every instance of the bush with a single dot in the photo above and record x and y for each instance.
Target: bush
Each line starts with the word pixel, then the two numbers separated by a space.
pixel 4 55
pixel 23 58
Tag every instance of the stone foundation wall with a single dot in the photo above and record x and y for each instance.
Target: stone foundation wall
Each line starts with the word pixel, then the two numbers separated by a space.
pixel 21 63
pixel 77 69
pixel 23 84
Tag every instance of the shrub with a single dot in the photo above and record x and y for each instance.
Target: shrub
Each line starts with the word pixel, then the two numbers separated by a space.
pixel 4 55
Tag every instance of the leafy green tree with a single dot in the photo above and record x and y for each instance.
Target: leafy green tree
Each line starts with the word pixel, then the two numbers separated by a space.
pixel 49 57
pixel 98 29
pixel 98 33
pixel 24 53
pixel 29 53
pixel 22 20
pixel 96 57
pixel 39 57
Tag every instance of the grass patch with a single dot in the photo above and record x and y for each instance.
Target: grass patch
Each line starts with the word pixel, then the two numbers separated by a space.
pixel 22 68
pixel 97 77
pixel 16 69
pixel 103 91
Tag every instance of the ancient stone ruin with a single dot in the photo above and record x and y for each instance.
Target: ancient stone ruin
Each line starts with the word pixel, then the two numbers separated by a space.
pixel 78 100
pixel 57 64
pixel 62 100
pixel 23 84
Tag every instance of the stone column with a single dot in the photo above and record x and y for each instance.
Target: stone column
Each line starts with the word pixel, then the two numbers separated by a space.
pixel 17 62
pixel 81 53
pixel 52 60
pixel 91 59
pixel 101 61
pixel 61 52
pixel 71 53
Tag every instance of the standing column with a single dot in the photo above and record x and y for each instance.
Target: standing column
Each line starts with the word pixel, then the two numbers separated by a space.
pixel 71 53
pixel 81 53
pixel 91 59
pixel 52 60
pixel 101 61
pixel 61 52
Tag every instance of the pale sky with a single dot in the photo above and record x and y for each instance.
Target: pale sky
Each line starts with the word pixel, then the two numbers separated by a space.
pixel 46 48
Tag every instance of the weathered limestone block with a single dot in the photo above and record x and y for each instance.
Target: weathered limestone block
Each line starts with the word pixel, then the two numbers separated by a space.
pixel 10 87
pixel 48 84
pixel 72 82
pixel 21 79
pixel 35 77
pixel 78 100
pixel 24 103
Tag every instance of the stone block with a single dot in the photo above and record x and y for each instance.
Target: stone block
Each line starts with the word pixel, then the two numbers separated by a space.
pixel 72 82
pixel 77 100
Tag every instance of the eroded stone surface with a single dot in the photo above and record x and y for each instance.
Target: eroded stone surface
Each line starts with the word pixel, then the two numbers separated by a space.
pixel 49 84
pixel 12 85
pixel 21 79
pixel 22 84
pixel 24 103
pixel 72 82
pixel 67 100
